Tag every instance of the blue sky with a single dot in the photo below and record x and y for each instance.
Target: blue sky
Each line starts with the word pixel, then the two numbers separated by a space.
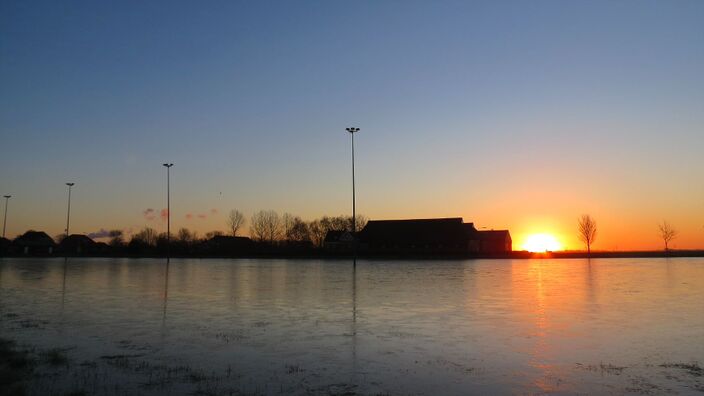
pixel 512 114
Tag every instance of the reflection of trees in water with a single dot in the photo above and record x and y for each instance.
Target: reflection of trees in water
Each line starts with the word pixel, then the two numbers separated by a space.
pixel 591 284
pixel 670 274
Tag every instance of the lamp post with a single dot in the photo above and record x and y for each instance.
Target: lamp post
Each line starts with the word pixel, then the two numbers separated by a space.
pixel 4 222
pixel 68 214
pixel 168 207
pixel 352 131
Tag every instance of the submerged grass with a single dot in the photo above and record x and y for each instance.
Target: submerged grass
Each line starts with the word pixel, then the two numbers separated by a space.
pixel 55 357
pixel 16 367
pixel 693 368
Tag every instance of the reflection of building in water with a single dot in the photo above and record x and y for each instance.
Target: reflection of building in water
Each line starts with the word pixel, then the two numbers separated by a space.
pixel 450 235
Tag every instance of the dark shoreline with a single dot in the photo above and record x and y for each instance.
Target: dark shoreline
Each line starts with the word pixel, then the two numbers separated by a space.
pixel 519 255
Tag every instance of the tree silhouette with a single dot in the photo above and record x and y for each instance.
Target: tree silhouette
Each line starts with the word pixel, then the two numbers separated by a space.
pixel 360 222
pixel 317 232
pixel 147 236
pixel 265 226
pixel 235 221
pixel 295 229
pixel 587 231
pixel 116 239
pixel 667 233
pixel 318 228
pixel 186 237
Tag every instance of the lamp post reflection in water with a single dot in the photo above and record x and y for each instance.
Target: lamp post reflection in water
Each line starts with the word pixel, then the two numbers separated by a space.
pixel 63 290
pixel 166 297
pixel 354 320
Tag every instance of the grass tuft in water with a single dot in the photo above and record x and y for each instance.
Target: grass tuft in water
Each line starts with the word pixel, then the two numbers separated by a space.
pixel 693 368
pixel 55 357
pixel 15 368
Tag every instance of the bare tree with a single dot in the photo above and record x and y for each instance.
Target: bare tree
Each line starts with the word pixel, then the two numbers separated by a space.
pixel 317 232
pixel 318 228
pixel 235 221
pixel 287 221
pixel 587 231
pixel 667 233
pixel 265 226
pixel 116 238
pixel 147 236
pixel 360 222
pixel 295 229
pixel 185 236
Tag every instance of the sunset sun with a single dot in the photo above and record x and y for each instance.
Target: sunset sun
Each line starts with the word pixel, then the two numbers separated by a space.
pixel 542 243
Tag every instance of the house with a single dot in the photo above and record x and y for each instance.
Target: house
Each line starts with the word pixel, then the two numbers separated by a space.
pixel 431 236
pixel 5 246
pixel 34 242
pixel 78 244
pixel 337 240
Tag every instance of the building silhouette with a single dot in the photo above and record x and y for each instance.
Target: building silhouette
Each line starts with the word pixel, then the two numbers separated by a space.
pixel 34 243
pixel 422 236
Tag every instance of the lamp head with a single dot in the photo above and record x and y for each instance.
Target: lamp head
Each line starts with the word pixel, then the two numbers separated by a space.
pixel 70 184
pixel 352 130
pixel 168 165
pixel 7 196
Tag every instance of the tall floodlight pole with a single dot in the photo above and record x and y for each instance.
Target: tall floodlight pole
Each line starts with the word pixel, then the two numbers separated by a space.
pixel 168 207
pixel 352 131
pixel 4 222
pixel 68 214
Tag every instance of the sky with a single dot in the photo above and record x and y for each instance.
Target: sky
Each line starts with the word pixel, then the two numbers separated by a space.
pixel 518 115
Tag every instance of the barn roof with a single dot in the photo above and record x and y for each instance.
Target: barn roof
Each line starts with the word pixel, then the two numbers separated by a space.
pixel 415 231
pixel 494 235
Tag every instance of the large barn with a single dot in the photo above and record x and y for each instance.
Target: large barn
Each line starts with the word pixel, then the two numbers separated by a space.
pixel 445 235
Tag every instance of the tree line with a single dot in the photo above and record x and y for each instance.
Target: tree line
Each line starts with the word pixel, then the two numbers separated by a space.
pixel 269 231
pixel 586 229
pixel 265 226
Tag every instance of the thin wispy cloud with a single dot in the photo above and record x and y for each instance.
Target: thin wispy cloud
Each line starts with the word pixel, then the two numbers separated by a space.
pixel 149 214
pixel 211 212
pixel 102 233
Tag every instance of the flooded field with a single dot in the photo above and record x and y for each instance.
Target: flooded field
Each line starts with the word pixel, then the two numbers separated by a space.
pixel 233 327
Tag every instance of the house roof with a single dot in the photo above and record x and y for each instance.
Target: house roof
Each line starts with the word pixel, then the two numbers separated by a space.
pixel 494 235
pixel 76 240
pixel 332 236
pixel 35 238
pixel 227 240
pixel 338 236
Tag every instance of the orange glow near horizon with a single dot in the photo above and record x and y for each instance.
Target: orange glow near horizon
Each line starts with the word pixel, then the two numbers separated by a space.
pixel 540 243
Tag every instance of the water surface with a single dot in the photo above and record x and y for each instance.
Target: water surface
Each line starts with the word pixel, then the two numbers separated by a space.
pixel 142 326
